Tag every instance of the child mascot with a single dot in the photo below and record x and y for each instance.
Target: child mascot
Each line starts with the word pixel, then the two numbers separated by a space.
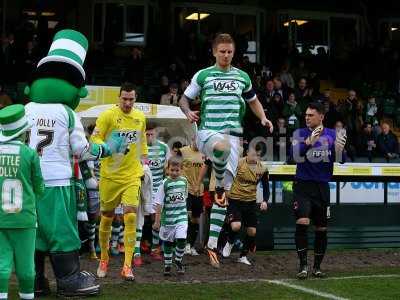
pixel 57 135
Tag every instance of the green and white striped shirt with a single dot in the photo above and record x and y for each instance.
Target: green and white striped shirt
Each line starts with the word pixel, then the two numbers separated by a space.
pixel 223 95
pixel 172 195
pixel 158 155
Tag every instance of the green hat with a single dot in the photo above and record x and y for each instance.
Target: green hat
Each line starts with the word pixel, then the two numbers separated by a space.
pixel 13 122
pixel 69 47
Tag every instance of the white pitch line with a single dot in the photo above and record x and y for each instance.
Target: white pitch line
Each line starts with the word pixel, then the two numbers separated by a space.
pixel 349 277
pixel 306 290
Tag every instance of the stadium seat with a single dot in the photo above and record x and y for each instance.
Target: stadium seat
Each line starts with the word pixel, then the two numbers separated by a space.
pixel 361 160
pixel 379 160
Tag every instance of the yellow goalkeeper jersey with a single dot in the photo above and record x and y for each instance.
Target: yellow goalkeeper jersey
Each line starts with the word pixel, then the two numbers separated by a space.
pixel 121 167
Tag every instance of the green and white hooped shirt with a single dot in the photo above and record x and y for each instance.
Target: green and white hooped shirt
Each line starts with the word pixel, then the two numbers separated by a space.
pixel 223 95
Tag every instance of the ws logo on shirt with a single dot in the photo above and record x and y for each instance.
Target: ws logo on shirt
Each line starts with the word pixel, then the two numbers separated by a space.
pixel 176 197
pixel 223 86
pixel 131 137
pixel 155 163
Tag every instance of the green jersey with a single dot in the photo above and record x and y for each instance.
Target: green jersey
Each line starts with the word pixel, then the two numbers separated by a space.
pixel 158 155
pixel 21 182
pixel 172 195
pixel 222 95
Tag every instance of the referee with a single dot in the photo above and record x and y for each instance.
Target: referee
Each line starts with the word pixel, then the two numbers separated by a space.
pixel 314 149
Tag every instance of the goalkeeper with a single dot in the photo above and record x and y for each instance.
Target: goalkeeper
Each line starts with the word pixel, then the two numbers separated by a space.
pixel 314 149
pixel 120 174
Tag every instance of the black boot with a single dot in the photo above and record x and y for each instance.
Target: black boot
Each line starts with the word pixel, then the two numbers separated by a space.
pixel 42 287
pixel 71 281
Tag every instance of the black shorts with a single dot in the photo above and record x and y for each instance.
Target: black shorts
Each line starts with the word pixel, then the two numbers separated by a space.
pixel 195 205
pixel 311 200
pixel 243 211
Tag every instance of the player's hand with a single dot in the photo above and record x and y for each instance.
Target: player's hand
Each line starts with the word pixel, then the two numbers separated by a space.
pixel 340 141
pixel 267 123
pixel 263 206
pixel 193 116
pixel 156 226
pixel 116 143
pixel 315 135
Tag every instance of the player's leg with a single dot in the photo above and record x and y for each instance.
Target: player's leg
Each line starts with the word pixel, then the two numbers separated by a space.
pixel 167 247
pixel 121 244
pixel 115 230
pixel 249 218
pixel 155 253
pixel 137 258
pixel 321 213
pixel 180 242
pixel 24 252
pixel 42 286
pixel 93 215
pixel 195 208
pixel 302 209
pixel 6 263
pixel 235 223
pixel 130 200
pixel 110 197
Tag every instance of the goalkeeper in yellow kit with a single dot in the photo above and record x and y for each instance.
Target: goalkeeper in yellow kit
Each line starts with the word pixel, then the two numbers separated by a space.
pixel 120 174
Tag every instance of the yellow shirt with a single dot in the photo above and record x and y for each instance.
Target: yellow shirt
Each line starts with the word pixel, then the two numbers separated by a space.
pixel 244 187
pixel 193 161
pixel 120 167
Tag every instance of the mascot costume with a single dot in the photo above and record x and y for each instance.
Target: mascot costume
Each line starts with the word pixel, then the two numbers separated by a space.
pixel 57 135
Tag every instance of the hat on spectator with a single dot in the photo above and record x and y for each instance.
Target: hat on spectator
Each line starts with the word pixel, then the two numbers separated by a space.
pixel 13 122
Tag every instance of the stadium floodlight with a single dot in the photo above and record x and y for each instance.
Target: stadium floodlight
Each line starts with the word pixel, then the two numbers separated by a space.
pixel 394 28
pixel 197 16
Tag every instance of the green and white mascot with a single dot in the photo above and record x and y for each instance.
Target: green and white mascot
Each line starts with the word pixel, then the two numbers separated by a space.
pixel 57 134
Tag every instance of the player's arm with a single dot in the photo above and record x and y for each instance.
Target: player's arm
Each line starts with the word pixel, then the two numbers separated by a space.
pixel 159 203
pixel 191 92
pixel 339 147
pixel 37 179
pixel 266 191
pixel 143 143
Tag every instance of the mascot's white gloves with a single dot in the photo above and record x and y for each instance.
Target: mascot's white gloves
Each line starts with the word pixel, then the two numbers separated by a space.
pixel 315 135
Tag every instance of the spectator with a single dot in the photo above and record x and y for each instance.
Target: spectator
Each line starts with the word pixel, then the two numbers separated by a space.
pixel 286 76
pixel 164 85
pixel 281 140
pixel 27 62
pixel 135 67
pixel 387 143
pixel 172 97
pixel 173 73
pixel 300 71
pixel 349 147
pixel 351 113
pixel 269 90
pixel 279 88
pixel 366 146
pixel 371 113
pixel 331 113
pixel 292 112
pixel 5 100
pixel 184 83
pixel 275 107
pixel 302 93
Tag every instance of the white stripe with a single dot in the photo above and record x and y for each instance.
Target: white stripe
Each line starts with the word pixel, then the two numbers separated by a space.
pixel 3 295
pixel 306 290
pixel 223 106
pixel 223 115
pixel 15 125
pixel 215 228
pixel 70 45
pixel 220 217
pixel 26 296
pixel 213 97
pixel 222 123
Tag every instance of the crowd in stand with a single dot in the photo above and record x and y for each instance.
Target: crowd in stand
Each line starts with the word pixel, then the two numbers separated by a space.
pixel 284 88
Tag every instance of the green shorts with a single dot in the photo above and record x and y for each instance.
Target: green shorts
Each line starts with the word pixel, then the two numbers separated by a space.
pixel 57 220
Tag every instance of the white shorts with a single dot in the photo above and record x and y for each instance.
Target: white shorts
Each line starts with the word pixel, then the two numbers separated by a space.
pixel 206 140
pixel 173 232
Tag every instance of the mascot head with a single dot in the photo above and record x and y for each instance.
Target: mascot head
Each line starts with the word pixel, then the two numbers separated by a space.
pixel 60 77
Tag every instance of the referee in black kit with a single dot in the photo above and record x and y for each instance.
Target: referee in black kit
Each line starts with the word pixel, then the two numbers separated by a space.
pixel 314 149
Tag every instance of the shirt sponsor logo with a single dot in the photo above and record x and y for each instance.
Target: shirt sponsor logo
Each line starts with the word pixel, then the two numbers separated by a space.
pixel 176 197
pixel 225 86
